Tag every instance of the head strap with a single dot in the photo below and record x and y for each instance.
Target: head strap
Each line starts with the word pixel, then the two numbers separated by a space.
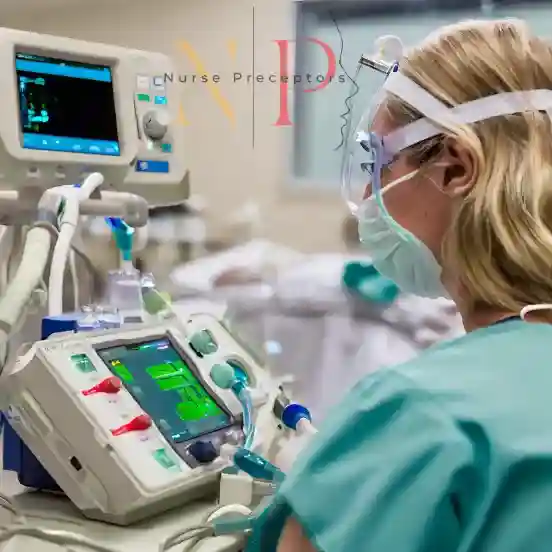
pixel 438 115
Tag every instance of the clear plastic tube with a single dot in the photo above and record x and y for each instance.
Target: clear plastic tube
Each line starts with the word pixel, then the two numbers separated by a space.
pixel 124 293
pixel 248 426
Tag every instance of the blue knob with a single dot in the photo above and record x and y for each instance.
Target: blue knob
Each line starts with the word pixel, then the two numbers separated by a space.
pixel 203 451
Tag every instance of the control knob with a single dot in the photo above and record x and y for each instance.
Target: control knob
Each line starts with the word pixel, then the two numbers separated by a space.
pixel 156 124
pixel 109 386
pixel 203 451
pixel 140 423
pixel 203 343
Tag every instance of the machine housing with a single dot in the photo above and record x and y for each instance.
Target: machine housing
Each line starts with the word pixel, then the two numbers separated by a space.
pixel 122 478
pixel 116 98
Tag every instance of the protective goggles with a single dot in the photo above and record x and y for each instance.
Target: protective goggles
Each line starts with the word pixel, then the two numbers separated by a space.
pixel 367 153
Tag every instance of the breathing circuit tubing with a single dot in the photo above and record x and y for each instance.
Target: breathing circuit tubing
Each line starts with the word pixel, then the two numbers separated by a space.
pixel 224 376
pixel 293 416
pixel 245 398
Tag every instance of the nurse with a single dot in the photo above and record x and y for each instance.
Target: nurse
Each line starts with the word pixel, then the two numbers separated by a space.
pixel 452 451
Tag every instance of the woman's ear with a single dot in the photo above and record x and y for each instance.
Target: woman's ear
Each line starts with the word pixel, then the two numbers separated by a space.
pixel 459 171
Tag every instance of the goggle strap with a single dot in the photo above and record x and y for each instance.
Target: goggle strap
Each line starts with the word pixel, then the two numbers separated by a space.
pixel 497 105
pixel 418 97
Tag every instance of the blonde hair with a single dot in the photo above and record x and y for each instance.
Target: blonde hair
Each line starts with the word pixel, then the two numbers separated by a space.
pixel 501 239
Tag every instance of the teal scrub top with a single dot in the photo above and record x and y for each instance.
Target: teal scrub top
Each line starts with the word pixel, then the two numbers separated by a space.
pixel 449 452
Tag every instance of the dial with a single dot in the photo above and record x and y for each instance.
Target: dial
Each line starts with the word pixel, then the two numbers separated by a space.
pixel 203 451
pixel 156 124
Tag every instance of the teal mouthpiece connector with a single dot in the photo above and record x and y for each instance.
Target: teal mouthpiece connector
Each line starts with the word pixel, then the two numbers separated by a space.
pixel 257 467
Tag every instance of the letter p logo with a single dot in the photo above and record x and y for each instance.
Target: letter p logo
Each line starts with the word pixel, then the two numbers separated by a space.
pixel 283 47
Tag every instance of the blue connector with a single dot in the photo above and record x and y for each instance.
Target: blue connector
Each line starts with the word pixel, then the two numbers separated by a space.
pixel 293 413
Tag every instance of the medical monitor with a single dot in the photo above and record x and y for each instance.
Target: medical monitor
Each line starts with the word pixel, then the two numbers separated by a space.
pixel 66 106
pixel 71 108
pixel 129 422
pixel 166 386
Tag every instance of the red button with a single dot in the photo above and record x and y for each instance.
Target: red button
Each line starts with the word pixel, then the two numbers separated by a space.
pixel 110 386
pixel 140 423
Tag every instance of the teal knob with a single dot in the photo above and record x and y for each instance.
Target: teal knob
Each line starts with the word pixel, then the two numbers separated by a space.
pixel 203 342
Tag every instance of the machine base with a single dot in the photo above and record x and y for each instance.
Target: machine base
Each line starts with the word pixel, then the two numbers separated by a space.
pixel 202 492
pixel 48 511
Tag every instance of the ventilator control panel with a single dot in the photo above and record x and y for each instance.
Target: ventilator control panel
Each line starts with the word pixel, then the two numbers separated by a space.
pixel 130 422
pixel 155 127
pixel 76 107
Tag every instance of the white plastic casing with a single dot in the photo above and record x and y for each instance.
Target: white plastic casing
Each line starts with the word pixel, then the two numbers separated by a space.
pixel 120 480
pixel 136 74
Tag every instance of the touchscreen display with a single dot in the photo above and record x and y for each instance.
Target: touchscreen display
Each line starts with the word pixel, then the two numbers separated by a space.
pixel 66 106
pixel 167 388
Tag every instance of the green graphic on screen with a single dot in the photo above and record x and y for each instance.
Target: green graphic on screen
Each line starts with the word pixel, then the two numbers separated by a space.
pixel 166 388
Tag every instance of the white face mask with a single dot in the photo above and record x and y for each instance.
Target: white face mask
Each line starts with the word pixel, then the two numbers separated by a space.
pixel 396 253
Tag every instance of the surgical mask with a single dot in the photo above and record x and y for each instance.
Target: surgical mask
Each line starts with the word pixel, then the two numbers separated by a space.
pixel 395 252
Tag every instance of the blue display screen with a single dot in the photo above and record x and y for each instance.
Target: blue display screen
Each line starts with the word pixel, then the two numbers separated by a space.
pixel 166 387
pixel 66 106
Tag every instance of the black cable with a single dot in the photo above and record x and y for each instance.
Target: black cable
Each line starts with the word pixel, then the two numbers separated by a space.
pixel 348 105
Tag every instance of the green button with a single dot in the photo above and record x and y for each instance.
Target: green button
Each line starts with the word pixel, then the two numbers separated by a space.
pixel 83 363
pixel 167 148
pixel 144 98
pixel 164 460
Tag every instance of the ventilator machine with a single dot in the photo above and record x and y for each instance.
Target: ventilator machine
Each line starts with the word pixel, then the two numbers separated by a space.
pixel 152 417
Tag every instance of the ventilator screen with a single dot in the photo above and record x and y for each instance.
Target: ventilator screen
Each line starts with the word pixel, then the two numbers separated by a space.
pixel 166 388
pixel 66 106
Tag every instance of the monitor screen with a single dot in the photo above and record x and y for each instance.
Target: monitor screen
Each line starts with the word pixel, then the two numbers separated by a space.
pixel 165 386
pixel 66 106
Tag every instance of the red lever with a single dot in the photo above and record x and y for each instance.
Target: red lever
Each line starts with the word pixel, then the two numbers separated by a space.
pixel 140 423
pixel 109 385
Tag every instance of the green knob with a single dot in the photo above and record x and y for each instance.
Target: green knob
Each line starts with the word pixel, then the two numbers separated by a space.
pixel 203 342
